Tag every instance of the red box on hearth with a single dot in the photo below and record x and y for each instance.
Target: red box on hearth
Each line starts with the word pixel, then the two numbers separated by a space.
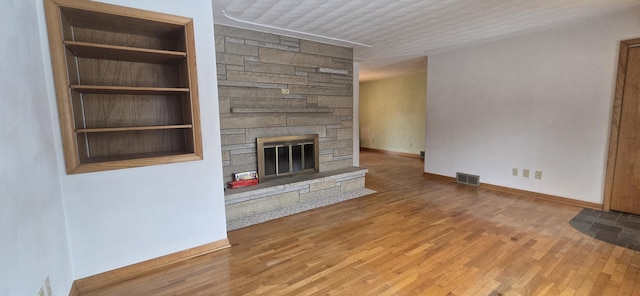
pixel 242 183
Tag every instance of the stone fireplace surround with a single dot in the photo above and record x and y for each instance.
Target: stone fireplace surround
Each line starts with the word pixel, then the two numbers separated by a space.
pixel 272 86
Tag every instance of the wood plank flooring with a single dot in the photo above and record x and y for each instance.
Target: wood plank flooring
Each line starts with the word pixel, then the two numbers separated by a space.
pixel 414 237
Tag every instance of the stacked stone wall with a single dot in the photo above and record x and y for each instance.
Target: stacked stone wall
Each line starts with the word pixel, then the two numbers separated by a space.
pixel 271 85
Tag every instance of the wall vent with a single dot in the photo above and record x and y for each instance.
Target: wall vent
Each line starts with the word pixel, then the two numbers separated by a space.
pixel 468 179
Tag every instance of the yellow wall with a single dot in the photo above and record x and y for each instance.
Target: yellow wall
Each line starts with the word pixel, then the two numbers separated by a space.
pixel 392 113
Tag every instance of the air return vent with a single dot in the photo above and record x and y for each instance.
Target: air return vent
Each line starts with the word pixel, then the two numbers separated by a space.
pixel 468 179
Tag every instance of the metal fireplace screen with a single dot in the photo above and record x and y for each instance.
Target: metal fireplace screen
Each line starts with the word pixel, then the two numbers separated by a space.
pixel 286 156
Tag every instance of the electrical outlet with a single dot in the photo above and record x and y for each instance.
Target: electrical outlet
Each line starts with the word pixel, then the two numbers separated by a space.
pixel 525 173
pixel 539 175
pixel 285 91
pixel 514 171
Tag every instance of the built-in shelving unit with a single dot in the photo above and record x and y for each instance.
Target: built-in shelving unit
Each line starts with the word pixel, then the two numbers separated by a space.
pixel 126 85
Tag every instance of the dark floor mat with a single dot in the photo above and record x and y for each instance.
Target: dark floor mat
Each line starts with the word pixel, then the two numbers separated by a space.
pixel 620 229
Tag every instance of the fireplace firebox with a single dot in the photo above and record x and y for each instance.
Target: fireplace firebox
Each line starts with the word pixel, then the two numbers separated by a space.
pixel 287 156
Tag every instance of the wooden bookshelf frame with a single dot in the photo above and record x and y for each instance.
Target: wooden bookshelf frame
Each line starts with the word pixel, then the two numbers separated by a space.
pixel 131 118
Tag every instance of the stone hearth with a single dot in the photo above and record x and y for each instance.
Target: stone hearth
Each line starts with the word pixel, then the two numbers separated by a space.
pixel 282 197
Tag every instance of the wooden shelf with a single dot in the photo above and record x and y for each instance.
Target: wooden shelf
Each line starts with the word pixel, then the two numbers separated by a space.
pixel 124 53
pixel 128 90
pixel 96 164
pixel 132 128
pixel 138 156
pixel 130 76
pixel 87 14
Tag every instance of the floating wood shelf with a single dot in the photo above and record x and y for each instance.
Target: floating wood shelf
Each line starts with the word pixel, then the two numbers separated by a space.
pixel 280 110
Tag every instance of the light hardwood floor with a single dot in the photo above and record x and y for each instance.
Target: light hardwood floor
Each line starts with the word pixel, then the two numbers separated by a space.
pixel 414 237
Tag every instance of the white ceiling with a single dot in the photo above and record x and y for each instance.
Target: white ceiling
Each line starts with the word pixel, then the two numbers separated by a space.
pixel 389 36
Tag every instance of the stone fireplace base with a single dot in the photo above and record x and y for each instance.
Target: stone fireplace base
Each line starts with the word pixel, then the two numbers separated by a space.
pixel 286 196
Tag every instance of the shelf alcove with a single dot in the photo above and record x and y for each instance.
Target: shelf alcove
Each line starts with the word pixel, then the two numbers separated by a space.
pixel 126 85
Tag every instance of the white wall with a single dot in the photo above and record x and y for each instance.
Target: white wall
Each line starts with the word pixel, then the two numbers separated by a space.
pixel 121 217
pixel 540 101
pixel 33 236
